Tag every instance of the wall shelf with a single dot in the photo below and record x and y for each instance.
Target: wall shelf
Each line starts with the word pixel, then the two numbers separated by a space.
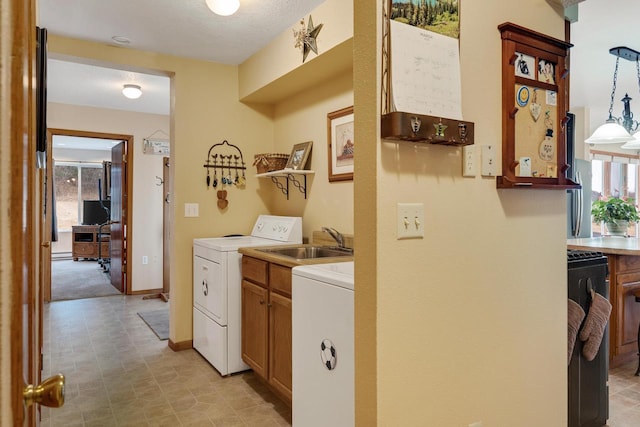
pixel 296 177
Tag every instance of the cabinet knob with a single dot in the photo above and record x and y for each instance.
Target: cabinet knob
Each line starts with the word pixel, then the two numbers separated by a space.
pixel 269 305
pixel 261 302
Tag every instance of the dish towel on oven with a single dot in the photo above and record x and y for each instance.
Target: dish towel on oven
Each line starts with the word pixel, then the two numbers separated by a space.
pixel 575 315
pixel 594 325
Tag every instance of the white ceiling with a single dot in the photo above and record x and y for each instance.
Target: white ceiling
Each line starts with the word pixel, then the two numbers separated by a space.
pixel 184 28
pixel 82 143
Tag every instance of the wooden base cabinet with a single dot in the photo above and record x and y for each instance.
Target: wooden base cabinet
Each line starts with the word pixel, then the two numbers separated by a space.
pixel 624 281
pixel 266 323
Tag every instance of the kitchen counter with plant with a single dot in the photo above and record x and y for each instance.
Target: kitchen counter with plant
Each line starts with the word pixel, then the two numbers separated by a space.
pixel 623 254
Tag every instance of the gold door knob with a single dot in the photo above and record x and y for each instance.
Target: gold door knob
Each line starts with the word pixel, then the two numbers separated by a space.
pixel 50 393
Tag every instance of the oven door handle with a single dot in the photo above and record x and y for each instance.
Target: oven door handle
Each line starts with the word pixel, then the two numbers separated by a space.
pixel 205 288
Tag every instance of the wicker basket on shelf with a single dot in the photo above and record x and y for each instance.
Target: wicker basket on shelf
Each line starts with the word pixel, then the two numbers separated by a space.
pixel 268 162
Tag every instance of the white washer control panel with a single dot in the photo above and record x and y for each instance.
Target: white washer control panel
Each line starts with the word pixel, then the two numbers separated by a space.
pixel 279 228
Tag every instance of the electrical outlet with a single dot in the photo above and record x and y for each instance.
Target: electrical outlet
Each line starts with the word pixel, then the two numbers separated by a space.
pixel 145 260
pixel 489 165
pixel 410 220
pixel 469 160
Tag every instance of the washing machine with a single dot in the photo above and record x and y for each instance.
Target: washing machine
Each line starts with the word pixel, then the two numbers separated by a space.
pixel 323 345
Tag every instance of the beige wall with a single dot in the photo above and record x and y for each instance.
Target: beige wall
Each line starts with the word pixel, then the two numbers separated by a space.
pixel 146 231
pixel 300 118
pixel 470 322
pixel 204 111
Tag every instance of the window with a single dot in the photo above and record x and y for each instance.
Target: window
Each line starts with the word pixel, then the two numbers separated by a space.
pixel 74 182
pixel 613 175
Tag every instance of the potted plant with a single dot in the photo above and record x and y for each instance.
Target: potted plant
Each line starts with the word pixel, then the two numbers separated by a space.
pixel 616 213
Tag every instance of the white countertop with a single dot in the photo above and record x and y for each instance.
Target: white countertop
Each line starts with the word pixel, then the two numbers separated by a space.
pixel 608 245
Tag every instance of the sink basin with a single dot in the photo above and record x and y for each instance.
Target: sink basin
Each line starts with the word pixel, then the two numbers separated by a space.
pixel 310 252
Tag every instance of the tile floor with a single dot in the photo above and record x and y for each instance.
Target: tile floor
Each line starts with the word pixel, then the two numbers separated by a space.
pixel 624 396
pixel 118 373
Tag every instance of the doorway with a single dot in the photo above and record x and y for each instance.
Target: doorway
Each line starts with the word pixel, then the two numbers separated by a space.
pixel 90 220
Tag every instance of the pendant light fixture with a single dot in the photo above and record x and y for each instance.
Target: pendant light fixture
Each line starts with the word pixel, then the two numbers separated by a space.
pixel 132 91
pixel 618 129
pixel 223 7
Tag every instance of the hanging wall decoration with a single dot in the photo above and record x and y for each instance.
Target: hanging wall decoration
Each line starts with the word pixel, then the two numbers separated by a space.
pixel 305 38
pixel 227 161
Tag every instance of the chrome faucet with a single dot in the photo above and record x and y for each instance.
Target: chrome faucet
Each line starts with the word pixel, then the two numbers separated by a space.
pixel 336 235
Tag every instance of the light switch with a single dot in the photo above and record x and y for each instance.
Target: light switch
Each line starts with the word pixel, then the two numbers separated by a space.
pixel 191 209
pixel 410 220
pixel 469 160
pixel 489 165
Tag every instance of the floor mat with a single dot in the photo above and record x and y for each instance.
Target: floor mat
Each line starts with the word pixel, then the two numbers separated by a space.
pixel 158 321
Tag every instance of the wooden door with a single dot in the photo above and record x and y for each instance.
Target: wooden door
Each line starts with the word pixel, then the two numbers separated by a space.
pixel 166 227
pixel 118 251
pixel 280 350
pixel 254 327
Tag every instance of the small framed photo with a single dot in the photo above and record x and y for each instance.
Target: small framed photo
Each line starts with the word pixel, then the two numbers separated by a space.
pixel 546 71
pixel 341 144
pixel 525 66
pixel 299 156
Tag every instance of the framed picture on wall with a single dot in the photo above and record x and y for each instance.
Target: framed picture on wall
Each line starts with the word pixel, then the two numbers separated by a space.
pixel 299 156
pixel 341 144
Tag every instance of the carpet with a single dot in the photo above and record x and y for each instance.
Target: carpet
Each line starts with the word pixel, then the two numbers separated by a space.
pixel 158 321
pixel 78 280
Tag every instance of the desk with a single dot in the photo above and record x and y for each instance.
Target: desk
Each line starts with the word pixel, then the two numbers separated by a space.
pixel 623 254
pixel 84 241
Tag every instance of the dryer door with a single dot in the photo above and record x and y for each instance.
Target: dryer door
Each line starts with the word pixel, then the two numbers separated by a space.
pixel 210 289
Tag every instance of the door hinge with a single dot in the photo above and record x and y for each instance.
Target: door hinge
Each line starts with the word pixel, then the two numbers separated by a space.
pixel 124 158
pixel 41 361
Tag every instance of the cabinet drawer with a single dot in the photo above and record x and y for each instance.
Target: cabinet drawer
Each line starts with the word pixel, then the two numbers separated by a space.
pixel 85 249
pixel 255 270
pixel 627 263
pixel 280 279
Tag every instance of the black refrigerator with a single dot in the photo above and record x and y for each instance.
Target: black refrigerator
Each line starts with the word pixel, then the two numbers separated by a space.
pixel 588 390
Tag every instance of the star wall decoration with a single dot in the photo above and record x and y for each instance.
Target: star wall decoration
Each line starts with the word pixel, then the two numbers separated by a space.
pixel 306 38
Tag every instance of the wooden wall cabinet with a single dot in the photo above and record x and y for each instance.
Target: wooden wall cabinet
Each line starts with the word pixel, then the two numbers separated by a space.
pixel 266 323
pixel 534 110
pixel 85 240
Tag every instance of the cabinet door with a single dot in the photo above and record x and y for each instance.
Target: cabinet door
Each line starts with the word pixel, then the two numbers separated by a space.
pixel 254 327
pixel 628 313
pixel 280 344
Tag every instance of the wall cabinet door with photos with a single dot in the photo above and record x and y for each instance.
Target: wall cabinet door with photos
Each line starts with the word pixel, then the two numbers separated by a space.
pixel 534 110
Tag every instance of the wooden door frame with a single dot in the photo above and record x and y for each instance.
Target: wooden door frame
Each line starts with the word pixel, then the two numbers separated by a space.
pixel 128 214
pixel 19 294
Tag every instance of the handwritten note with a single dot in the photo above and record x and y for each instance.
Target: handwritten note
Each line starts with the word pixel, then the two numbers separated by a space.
pixel 425 72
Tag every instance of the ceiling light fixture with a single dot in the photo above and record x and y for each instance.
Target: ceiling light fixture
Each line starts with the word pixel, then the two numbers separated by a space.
pixel 121 40
pixel 223 7
pixel 132 91
pixel 618 129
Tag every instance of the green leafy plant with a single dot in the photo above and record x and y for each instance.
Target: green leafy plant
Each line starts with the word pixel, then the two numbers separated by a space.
pixel 614 209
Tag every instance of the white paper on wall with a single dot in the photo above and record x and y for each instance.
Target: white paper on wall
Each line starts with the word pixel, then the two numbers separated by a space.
pixel 425 72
